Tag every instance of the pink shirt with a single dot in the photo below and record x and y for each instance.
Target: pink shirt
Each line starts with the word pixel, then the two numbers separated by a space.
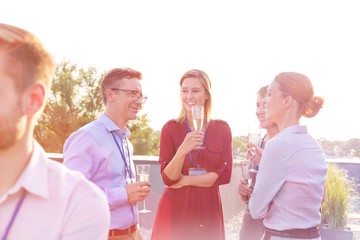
pixel 60 204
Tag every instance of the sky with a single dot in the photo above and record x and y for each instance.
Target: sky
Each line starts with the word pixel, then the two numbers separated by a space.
pixel 241 45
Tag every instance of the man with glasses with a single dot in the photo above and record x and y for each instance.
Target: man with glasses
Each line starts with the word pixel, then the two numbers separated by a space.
pixel 39 198
pixel 102 152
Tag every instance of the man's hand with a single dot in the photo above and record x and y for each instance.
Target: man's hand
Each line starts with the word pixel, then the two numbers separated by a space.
pixel 137 191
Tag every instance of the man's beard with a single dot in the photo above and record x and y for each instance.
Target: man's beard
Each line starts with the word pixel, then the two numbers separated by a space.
pixel 10 129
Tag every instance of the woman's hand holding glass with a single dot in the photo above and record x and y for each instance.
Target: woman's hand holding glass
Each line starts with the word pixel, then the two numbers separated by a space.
pixel 254 138
pixel 192 141
pixel 255 158
pixel 245 190
pixel 197 114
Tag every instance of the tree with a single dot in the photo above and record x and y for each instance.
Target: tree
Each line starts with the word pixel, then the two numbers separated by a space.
pixel 145 140
pixel 239 146
pixel 76 100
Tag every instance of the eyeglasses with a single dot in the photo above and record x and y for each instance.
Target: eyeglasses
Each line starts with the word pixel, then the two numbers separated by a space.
pixel 133 94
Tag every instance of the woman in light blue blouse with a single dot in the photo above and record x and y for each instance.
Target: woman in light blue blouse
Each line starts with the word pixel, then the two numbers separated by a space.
pixel 290 182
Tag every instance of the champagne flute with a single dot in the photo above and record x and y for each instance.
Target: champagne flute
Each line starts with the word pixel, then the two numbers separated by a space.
pixel 143 175
pixel 198 120
pixel 254 137
pixel 249 174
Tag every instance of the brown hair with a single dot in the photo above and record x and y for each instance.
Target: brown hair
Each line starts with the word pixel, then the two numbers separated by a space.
pixel 207 85
pixel 301 89
pixel 116 74
pixel 38 65
pixel 263 91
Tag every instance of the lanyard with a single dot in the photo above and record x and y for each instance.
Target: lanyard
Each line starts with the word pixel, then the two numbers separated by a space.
pixel 121 150
pixel 14 215
pixel 190 155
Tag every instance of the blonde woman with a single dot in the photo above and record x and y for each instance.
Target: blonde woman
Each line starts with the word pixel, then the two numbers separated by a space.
pixel 190 206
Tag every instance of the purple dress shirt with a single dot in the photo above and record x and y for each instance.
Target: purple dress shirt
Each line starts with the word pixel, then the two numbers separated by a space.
pixel 102 152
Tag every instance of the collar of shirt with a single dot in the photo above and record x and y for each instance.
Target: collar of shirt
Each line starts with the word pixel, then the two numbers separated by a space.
pixel 34 176
pixel 297 129
pixel 112 127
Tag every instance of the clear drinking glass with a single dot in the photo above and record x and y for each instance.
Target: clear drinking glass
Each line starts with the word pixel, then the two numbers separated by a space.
pixel 249 174
pixel 198 121
pixel 143 175
pixel 254 137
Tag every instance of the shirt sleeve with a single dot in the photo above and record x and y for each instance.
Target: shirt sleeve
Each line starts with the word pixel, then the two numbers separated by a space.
pixel 224 168
pixel 84 154
pixel 81 153
pixel 269 180
pixel 167 152
pixel 87 215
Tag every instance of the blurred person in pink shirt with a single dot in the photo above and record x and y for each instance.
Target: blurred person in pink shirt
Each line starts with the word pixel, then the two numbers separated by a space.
pixel 39 198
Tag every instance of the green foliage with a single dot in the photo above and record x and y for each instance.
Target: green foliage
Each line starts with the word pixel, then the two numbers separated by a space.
pixel 75 100
pixel 339 149
pixel 143 138
pixel 338 187
pixel 239 146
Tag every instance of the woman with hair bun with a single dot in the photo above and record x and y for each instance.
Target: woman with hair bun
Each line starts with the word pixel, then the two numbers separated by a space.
pixel 290 183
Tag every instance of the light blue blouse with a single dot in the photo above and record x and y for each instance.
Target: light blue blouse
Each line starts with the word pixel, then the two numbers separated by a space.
pixel 290 183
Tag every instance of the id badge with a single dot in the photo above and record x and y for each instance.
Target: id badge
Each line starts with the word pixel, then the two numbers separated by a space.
pixel 196 171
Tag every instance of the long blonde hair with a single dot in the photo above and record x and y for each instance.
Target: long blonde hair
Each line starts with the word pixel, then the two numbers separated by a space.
pixel 207 85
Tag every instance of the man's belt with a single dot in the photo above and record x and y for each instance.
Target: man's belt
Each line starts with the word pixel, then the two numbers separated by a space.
pixel 119 232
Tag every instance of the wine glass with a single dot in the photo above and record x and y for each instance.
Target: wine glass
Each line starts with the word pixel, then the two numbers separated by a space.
pixel 254 137
pixel 249 174
pixel 198 120
pixel 143 175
